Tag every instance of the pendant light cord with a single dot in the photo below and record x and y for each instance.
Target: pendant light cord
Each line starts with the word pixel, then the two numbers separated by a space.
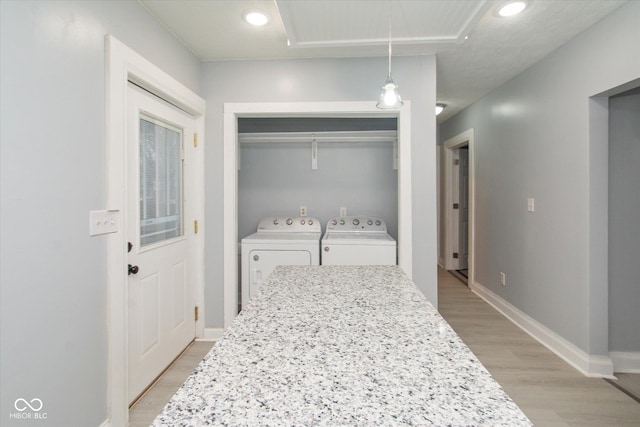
pixel 389 5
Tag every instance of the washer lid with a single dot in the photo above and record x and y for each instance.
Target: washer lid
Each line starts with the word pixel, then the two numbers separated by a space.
pixel 355 238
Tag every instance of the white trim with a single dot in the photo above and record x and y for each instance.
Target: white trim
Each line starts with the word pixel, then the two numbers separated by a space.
pixel 465 138
pixel 439 195
pixel 212 334
pixel 105 423
pixel 306 109
pixel 589 365
pixel 231 163
pixel 122 65
pixel 625 362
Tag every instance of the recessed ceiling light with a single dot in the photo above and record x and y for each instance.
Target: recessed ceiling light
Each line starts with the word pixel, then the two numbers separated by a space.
pixel 257 18
pixel 440 108
pixel 511 8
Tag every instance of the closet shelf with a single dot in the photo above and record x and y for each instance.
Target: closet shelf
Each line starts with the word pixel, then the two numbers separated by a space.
pixel 355 136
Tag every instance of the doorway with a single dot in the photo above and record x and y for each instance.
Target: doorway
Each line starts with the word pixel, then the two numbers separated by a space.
pixel 124 66
pixel 232 112
pixel 458 173
pixel 623 233
pixel 161 247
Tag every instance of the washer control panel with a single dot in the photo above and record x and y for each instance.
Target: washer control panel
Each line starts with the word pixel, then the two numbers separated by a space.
pixel 357 223
pixel 300 224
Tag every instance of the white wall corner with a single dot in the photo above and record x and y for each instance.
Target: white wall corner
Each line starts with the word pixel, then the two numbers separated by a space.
pixel 625 362
pixel 105 423
pixel 212 334
pixel 589 365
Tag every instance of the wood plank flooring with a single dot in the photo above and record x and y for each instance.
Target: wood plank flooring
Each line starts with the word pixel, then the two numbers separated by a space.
pixel 629 383
pixel 151 404
pixel 549 391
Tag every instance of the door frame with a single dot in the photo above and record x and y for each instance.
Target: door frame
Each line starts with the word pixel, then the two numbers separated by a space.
pixel 463 139
pixel 124 65
pixel 233 111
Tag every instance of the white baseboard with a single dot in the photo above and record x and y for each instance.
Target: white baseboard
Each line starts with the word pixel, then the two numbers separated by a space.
pixel 589 365
pixel 212 334
pixel 625 362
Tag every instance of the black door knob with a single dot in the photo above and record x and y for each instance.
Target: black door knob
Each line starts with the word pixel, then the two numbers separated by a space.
pixel 133 269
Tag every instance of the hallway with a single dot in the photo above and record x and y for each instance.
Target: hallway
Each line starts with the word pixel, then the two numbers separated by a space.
pixel 548 390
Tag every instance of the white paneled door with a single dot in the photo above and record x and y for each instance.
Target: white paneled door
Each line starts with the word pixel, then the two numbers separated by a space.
pixel 161 294
pixel 463 212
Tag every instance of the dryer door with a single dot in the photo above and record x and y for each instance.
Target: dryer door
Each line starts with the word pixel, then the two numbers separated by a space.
pixel 262 262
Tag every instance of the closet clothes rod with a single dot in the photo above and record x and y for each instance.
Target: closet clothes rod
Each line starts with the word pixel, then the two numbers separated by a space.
pixel 355 136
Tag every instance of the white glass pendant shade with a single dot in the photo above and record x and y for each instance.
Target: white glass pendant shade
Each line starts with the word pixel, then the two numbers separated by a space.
pixel 390 97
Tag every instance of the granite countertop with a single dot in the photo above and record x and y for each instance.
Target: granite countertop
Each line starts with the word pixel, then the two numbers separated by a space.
pixel 340 346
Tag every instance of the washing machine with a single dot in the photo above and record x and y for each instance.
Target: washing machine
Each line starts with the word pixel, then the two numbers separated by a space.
pixel 357 240
pixel 277 241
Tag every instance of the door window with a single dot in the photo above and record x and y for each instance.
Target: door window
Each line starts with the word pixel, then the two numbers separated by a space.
pixel 160 181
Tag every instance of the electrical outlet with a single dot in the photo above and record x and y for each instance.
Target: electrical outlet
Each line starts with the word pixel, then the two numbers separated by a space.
pixel 303 211
pixel 343 211
pixel 531 205
pixel 503 279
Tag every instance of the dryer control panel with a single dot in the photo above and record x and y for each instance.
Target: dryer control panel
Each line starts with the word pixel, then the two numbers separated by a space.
pixel 300 224
pixel 356 223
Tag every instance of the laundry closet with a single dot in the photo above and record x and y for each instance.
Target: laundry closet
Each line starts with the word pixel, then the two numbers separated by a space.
pixel 328 166
pixel 297 173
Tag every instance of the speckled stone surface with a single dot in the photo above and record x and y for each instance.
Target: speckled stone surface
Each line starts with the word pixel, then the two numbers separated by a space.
pixel 340 346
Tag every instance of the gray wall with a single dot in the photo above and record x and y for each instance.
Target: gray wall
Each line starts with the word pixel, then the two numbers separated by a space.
pixel 532 139
pixel 275 179
pixel 52 173
pixel 320 80
pixel 624 214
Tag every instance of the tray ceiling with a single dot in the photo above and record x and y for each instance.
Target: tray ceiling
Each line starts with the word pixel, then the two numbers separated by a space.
pixel 495 51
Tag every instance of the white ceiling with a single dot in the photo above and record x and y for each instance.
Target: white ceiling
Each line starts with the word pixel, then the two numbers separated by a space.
pixel 496 50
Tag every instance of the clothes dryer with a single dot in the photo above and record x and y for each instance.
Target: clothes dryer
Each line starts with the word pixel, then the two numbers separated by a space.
pixel 277 241
pixel 357 240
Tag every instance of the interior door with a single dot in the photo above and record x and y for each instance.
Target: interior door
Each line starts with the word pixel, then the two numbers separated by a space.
pixel 463 214
pixel 161 294
pixel 454 237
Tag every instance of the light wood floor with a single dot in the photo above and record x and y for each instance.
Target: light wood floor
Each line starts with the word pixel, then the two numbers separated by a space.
pixel 549 391
pixel 150 405
pixel 629 382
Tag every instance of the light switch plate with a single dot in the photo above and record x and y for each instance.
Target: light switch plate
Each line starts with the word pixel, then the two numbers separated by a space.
pixel 104 222
pixel 531 206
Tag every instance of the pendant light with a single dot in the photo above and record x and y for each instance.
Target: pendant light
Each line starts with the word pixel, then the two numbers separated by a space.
pixel 390 97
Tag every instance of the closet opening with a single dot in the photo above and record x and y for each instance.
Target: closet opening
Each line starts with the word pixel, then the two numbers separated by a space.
pixel 280 157
pixel 314 167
